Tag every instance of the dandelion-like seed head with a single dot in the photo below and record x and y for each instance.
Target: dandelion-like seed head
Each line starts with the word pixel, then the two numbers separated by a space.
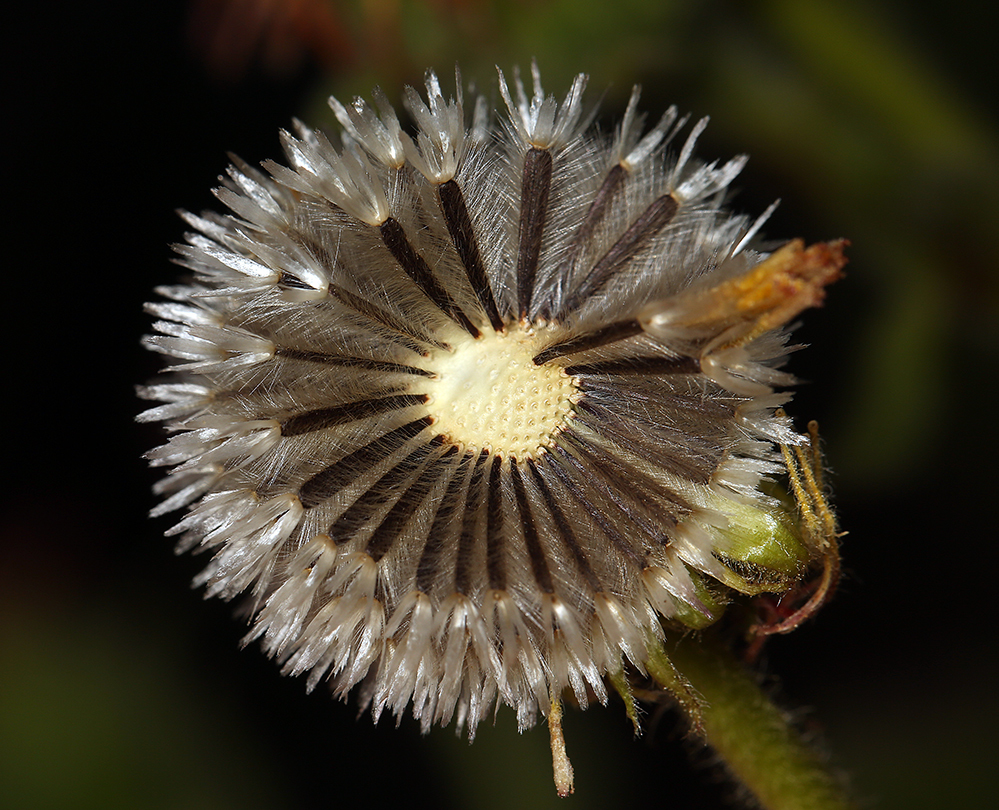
pixel 476 415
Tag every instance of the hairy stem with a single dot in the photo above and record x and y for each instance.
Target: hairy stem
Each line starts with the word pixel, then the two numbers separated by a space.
pixel 753 736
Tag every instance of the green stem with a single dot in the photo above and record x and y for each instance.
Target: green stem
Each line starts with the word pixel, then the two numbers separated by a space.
pixel 753 736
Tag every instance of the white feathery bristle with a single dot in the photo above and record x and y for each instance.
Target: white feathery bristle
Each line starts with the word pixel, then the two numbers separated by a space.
pixel 441 136
pixel 629 149
pixel 540 122
pixel 380 136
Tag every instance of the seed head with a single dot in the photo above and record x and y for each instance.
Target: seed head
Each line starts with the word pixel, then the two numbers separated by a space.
pixel 477 415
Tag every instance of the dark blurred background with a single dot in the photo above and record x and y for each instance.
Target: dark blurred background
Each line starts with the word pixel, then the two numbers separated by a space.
pixel 121 688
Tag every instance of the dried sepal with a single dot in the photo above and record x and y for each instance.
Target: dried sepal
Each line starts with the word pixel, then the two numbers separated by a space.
pixel 819 531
